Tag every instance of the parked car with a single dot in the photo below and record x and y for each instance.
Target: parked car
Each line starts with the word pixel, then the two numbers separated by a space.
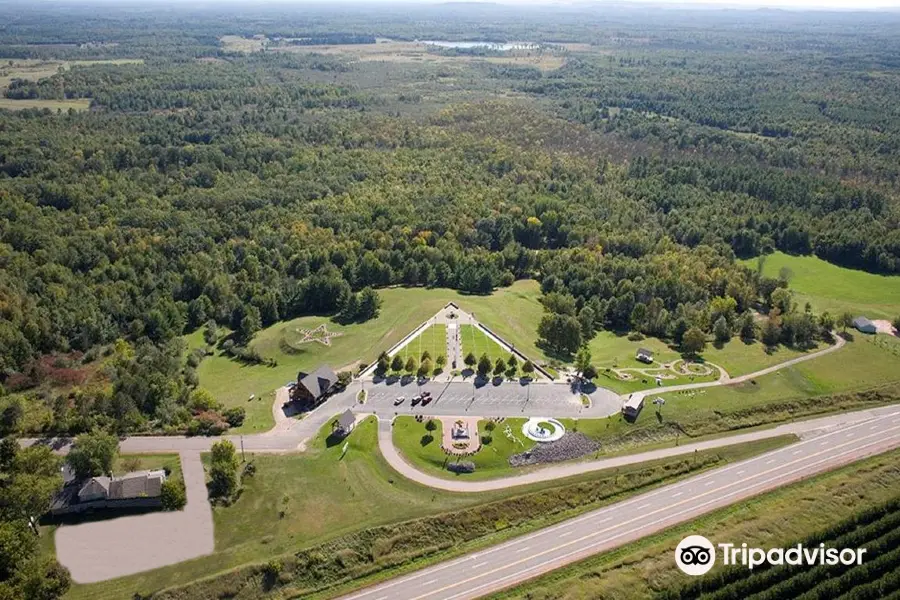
pixel 416 400
pixel 400 400
pixel 426 399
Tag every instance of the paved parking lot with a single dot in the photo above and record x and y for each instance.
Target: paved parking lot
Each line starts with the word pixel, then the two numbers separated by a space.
pixel 507 399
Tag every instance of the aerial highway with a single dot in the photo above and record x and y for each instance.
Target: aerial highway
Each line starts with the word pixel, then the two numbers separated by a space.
pixel 492 569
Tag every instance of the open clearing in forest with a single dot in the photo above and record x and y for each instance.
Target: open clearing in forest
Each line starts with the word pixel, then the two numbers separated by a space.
pixel 831 288
pixel 513 312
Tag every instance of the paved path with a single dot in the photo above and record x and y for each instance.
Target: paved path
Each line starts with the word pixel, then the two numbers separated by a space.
pixel 101 550
pixel 493 569
pixel 728 380
pixel 805 429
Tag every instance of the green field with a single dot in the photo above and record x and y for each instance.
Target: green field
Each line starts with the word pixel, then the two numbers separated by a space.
pixel 138 462
pixel 867 362
pixel 298 501
pixel 835 289
pixel 478 343
pixel 433 340
pixel 613 350
pixel 513 312
pixel 12 104
pixel 490 461
pixel 645 569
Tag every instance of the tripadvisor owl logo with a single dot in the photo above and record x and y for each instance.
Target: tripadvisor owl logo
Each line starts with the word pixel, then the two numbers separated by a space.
pixel 695 555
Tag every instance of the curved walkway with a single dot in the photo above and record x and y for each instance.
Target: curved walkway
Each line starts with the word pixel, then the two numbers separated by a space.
pixel 801 428
pixel 728 380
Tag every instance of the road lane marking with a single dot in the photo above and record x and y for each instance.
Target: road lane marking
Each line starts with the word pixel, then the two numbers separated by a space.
pixel 565 534
pixel 678 494
pixel 667 517
pixel 740 472
pixel 796 452
pixel 582 550
pixel 618 508
pixel 523 549
pixel 769 462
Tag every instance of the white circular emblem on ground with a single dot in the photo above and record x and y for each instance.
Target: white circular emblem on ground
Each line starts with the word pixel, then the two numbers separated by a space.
pixel 695 555
pixel 543 430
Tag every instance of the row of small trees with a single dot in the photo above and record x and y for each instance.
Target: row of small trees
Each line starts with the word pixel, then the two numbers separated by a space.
pixel 423 367
pixel 509 367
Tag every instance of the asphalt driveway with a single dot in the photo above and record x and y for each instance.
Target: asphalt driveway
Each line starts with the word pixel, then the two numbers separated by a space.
pixel 107 549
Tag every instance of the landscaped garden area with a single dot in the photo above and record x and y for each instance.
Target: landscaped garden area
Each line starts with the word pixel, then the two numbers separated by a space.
pixel 513 312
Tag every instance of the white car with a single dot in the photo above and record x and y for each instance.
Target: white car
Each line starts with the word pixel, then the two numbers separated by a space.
pixel 400 400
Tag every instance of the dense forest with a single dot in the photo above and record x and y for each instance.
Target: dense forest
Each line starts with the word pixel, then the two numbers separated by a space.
pixel 209 186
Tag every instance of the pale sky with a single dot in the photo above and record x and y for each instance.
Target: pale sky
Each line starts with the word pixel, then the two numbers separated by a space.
pixel 891 5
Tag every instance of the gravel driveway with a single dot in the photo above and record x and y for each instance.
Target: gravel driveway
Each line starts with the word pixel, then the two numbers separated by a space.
pixel 107 549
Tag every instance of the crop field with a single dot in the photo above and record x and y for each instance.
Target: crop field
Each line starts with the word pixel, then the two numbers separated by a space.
pixel 835 289
pixel 433 340
pixel 876 529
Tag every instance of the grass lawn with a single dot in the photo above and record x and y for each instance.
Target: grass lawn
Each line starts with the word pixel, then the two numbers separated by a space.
pixel 645 569
pixel 611 350
pixel 138 462
pixel 512 312
pixel 299 501
pixel 12 104
pixel 433 339
pixel 865 363
pixel 740 358
pixel 835 289
pixel 410 438
pixel 477 342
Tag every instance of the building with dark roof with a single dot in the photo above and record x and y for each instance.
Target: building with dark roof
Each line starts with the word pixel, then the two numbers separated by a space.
pixel 644 355
pixel 313 387
pixel 865 325
pixel 344 424
pixel 140 489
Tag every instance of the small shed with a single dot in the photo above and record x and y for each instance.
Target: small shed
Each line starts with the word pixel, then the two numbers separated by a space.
pixel 633 406
pixel 644 355
pixel 865 325
pixel 344 424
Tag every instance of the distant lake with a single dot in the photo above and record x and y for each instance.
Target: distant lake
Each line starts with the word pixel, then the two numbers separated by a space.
pixel 502 47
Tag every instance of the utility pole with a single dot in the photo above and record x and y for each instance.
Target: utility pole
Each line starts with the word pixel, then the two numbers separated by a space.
pixel 243 458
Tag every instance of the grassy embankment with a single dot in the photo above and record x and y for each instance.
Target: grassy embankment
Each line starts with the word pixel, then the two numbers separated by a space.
pixel 646 569
pixel 356 517
pixel 512 312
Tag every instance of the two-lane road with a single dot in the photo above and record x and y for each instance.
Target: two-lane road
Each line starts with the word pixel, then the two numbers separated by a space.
pixel 480 573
